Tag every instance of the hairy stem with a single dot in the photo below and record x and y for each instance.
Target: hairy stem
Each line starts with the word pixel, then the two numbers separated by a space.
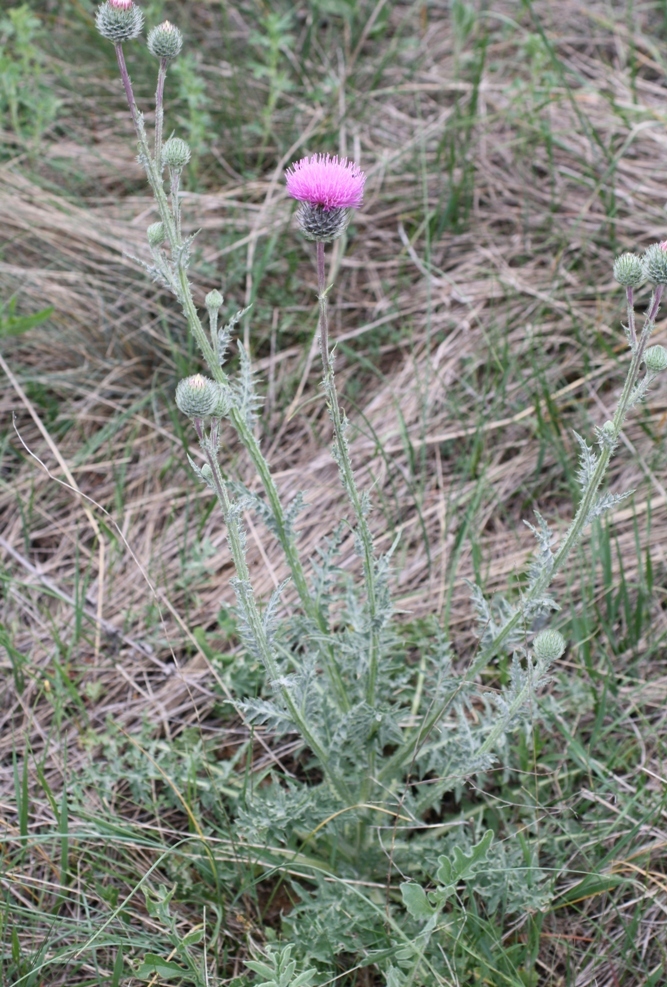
pixel 347 475
pixel 184 293
pixel 255 622
pixel 127 85
pixel 571 539
pixel 630 297
pixel 159 114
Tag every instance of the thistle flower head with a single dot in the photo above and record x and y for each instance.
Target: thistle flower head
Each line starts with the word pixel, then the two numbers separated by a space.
pixel 197 396
pixel 655 263
pixel 214 300
pixel 655 359
pixel 119 20
pixel 156 234
pixel 629 271
pixel 223 402
pixel 549 645
pixel 165 40
pixel 327 182
pixel 176 153
pixel 318 223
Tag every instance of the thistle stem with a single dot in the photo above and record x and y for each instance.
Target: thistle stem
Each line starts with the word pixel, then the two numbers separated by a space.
pixel 630 295
pixel 127 85
pixel 246 596
pixel 183 291
pixel 159 114
pixel 571 539
pixel 347 475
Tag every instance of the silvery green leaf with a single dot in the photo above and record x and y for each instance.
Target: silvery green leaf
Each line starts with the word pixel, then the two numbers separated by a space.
pixel 266 713
pixel 247 399
pixel 195 469
pixel 226 332
pixel 542 562
pixel 269 617
pixel 640 389
pixel 587 462
pixel 183 253
pixel 460 866
pixel 539 607
pixel 415 900
pixel 606 502
pixel 492 617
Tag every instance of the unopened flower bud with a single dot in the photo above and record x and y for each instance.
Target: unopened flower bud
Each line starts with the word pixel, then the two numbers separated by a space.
pixel 176 153
pixel 549 645
pixel 165 40
pixel 655 263
pixel 197 396
pixel 655 359
pixel 214 300
pixel 156 234
pixel 206 473
pixel 223 403
pixel 629 271
pixel 318 223
pixel 607 436
pixel 119 20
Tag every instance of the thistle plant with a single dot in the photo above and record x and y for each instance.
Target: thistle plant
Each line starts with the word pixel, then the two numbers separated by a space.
pixel 336 667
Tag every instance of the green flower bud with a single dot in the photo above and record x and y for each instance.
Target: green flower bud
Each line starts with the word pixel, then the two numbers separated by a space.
pixel 655 359
pixel 629 271
pixel 156 234
pixel 223 403
pixel 119 20
pixel 213 300
pixel 318 223
pixel 176 153
pixel 207 473
pixel 655 263
pixel 197 396
pixel 607 435
pixel 549 645
pixel 165 40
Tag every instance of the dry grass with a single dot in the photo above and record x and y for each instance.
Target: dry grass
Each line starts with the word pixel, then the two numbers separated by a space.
pixel 567 167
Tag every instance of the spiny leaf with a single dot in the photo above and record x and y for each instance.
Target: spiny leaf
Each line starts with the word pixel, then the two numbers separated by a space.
pixel 606 502
pixel 267 713
pixel 587 461
pixel 225 333
pixel 462 865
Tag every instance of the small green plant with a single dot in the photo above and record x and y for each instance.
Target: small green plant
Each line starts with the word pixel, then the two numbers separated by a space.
pixel 26 99
pixel 12 324
pixel 272 42
pixel 382 739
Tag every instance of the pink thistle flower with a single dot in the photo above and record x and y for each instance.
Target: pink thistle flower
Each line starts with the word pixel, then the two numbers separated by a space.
pixel 326 181
pixel 663 245
pixel 121 4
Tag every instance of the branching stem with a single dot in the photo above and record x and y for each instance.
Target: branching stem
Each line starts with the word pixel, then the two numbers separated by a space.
pixel 571 539
pixel 249 441
pixel 257 629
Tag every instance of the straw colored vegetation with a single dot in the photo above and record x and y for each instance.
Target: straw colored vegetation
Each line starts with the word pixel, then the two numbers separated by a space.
pixel 511 153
